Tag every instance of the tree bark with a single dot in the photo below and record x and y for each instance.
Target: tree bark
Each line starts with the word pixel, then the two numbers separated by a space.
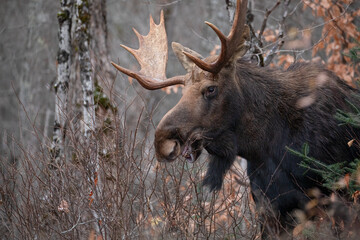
pixel 83 35
pixel 83 39
pixel 231 7
pixel 103 72
pixel 62 82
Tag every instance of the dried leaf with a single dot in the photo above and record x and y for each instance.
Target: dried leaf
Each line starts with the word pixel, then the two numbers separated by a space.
pixel 311 204
pixel 91 201
pixel 292 32
pixel 64 206
pixel 155 221
pixel 301 227
pixel 347 180
pixel 286 60
pixel 96 179
pixel 341 183
pixel 269 35
pixel 92 235
pixel 325 4
pixel 299 215
pixel 350 143
pixel 355 195
pixel 332 219
pixel 213 52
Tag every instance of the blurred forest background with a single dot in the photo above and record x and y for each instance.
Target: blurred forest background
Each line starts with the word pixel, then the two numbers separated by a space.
pixel 106 183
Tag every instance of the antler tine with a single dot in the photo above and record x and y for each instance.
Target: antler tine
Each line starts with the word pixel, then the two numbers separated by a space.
pixel 229 44
pixel 152 56
pixel 239 18
pixel 149 82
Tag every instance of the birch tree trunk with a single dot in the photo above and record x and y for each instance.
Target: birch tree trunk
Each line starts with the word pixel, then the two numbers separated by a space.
pixel 83 17
pixel 83 40
pixel 62 83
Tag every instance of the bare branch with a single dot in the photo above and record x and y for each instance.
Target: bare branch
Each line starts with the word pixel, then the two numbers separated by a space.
pixel 280 42
pixel 267 14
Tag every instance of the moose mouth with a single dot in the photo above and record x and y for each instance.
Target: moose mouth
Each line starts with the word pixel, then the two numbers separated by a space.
pixel 192 150
pixel 193 147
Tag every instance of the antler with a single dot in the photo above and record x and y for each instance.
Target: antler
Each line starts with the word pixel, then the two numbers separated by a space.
pixel 152 56
pixel 229 44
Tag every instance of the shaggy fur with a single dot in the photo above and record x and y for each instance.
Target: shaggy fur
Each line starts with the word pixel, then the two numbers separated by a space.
pixel 267 117
pixel 255 113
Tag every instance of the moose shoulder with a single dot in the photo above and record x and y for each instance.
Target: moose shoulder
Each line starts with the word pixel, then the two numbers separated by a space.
pixel 232 108
pixel 290 108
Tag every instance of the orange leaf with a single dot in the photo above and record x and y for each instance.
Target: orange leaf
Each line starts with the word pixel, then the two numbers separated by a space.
pixel 92 235
pixel 320 12
pixel 355 195
pixel 332 219
pixel 347 180
pixel 356 13
pixel 269 35
pixel 96 179
pixel 325 4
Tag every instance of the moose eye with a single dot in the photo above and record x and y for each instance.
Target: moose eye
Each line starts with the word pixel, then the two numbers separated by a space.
pixel 210 92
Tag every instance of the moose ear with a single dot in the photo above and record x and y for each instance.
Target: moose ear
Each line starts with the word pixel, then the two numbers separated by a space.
pixel 243 46
pixel 184 60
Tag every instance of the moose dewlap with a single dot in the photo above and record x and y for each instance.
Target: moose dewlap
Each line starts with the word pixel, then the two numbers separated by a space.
pixel 232 108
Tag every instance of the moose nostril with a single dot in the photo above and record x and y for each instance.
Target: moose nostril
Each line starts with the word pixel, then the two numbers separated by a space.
pixel 170 149
pixel 175 152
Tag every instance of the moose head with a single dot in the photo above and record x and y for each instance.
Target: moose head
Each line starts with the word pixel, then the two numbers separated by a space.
pixel 208 94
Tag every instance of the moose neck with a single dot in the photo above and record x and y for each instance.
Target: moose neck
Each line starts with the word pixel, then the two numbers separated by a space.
pixel 264 108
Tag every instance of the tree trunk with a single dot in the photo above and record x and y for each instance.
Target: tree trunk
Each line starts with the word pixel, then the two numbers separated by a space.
pixel 83 35
pixel 103 72
pixel 83 39
pixel 62 83
pixel 231 7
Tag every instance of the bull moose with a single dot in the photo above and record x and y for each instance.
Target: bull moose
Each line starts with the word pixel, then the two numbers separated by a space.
pixel 231 107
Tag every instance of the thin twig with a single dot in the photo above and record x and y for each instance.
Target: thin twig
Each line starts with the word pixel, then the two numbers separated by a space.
pixel 267 14
pixel 280 42
pixel 297 52
pixel 78 224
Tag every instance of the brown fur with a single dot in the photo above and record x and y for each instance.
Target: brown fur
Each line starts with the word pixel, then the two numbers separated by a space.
pixel 255 114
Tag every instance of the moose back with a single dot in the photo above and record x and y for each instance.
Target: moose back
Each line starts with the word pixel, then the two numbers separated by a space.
pixel 232 108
